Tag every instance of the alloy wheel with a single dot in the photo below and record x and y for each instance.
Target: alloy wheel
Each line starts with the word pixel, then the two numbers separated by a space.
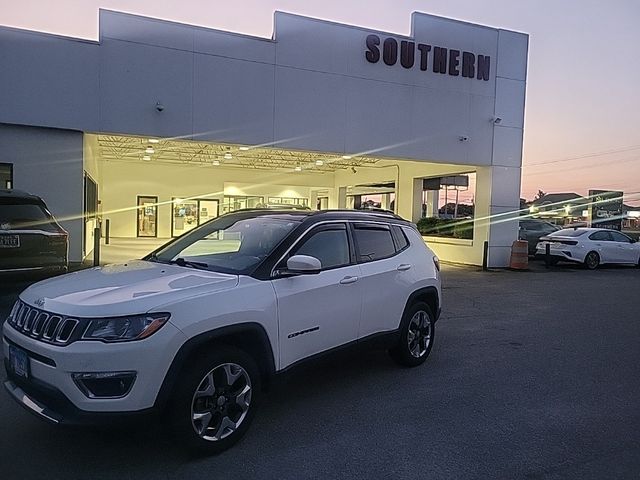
pixel 221 402
pixel 592 260
pixel 419 333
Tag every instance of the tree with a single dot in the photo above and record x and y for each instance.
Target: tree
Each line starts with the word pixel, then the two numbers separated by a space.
pixel 539 195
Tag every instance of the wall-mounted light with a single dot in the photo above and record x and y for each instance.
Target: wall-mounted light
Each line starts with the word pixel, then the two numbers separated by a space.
pixel 153 140
pixel 159 106
pixel 149 151
pixel 319 162
pixel 146 158
pixel 228 156
pixel 347 157
pixel 215 163
pixel 298 169
pixel 244 149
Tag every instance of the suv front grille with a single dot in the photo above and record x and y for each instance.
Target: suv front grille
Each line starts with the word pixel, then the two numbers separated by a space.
pixel 43 326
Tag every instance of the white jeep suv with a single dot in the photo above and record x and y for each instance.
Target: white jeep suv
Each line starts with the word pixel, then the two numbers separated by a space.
pixel 197 328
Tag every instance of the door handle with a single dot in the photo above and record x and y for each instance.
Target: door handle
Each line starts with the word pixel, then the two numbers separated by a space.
pixel 404 266
pixel 348 280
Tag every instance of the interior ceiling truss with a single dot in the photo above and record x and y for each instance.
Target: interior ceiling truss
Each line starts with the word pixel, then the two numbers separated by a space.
pixel 170 151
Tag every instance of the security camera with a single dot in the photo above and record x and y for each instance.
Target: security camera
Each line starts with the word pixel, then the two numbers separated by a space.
pixel 463 138
pixel 497 120
pixel 159 107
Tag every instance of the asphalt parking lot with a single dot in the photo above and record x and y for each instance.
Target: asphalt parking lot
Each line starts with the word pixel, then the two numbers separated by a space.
pixel 533 375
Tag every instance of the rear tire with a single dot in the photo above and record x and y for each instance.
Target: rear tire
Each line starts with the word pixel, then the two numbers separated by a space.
pixel 592 260
pixel 215 400
pixel 417 333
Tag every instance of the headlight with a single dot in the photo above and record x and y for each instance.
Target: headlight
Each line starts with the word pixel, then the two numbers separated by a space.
pixel 122 329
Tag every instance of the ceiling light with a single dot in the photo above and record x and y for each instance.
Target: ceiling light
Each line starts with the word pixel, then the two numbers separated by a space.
pixel 153 140
pixel 215 163
pixel 346 157
pixel 146 157
pixel 149 150
pixel 319 162
pixel 298 169
pixel 244 149
pixel 228 156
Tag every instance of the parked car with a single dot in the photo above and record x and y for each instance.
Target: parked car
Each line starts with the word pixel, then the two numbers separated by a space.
pixel 31 240
pixel 532 229
pixel 198 327
pixel 591 247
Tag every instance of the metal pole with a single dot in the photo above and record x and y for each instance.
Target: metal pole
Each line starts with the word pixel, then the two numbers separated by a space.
pixel 485 256
pixel 547 254
pixel 107 224
pixel 96 246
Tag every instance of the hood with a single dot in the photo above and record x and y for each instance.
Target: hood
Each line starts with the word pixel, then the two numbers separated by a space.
pixel 123 289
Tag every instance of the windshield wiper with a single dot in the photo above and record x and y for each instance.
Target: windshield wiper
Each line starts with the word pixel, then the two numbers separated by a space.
pixel 181 262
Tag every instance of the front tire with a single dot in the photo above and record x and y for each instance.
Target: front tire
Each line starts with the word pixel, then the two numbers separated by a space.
pixel 417 333
pixel 215 400
pixel 592 260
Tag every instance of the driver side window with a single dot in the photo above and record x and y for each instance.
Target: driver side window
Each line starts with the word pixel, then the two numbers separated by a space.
pixel 330 245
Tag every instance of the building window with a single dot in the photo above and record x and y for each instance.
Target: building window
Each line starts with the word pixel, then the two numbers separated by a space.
pixel 448 206
pixel 232 203
pixel 6 175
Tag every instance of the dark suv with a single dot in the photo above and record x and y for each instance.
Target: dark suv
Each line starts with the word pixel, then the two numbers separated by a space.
pixel 532 229
pixel 31 240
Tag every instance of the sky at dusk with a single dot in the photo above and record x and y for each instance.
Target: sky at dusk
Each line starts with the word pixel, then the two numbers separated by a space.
pixel 582 120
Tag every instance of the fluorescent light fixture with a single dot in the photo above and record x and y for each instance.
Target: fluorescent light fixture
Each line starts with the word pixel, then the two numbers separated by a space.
pixel 347 157
pixel 215 163
pixel 153 140
pixel 244 149
pixel 298 169
pixel 146 157
pixel 319 162
pixel 149 150
pixel 228 156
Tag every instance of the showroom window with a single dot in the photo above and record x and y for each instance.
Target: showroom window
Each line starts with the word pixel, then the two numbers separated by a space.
pixel 6 175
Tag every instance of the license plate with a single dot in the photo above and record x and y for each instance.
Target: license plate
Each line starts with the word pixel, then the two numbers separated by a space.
pixel 19 361
pixel 9 241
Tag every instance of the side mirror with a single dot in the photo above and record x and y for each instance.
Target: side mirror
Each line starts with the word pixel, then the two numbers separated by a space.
pixel 303 264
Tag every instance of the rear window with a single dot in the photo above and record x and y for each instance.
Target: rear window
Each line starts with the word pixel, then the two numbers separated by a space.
pixel 568 232
pixel 21 216
pixel 401 238
pixel 374 242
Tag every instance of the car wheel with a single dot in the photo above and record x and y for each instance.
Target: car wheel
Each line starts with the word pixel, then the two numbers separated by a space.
pixel 215 400
pixel 417 333
pixel 592 260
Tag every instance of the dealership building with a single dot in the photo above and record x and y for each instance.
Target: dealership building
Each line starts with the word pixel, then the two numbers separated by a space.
pixel 159 126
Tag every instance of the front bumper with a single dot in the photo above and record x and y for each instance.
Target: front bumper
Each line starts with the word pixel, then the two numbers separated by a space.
pixel 51 393
pixel 52 406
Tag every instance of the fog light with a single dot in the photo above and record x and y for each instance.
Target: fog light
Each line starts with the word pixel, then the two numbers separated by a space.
pixel 104 384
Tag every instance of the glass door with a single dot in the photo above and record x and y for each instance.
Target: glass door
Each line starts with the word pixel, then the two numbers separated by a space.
pixel 207 210
pixel 147 216
pixel 184 216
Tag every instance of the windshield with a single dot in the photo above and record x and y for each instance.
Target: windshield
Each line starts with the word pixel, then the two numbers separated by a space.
pixel 568 232
pixel 228 245
pixel 24 216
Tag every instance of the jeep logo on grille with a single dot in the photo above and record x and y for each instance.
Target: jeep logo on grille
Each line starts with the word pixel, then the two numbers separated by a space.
pixel 39 302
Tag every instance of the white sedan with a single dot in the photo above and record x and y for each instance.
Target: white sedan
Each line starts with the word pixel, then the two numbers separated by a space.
pixel 590 246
